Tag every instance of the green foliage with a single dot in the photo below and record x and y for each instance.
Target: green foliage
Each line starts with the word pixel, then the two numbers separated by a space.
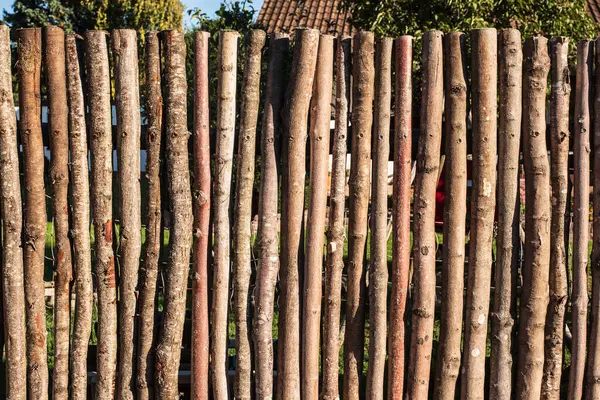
pixel 81 15
pixel 232 15
pixel 414 17
pixel 31 13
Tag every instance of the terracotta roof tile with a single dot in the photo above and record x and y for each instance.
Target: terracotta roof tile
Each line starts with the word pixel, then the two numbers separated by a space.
pixel 286 15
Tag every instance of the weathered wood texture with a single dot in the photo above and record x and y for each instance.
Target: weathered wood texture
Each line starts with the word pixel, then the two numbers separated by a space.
pixel 363 89
pixel 455 214
pixel 503 313
pixel 293 172
pixel 401 230
pixel 428 163
pixel 483 198
pixel 168 349
pixel 13 288
pixel 29 49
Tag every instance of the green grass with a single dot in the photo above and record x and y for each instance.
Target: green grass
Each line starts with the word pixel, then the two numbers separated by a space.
pixel 231 326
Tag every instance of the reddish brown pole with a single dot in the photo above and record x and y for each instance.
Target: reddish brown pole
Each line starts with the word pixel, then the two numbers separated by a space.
pixel 127 99
pixel 148 326
pixel 559 178
pixel 201 204
pixel 58 126
pixel 593 368
pixel 29 47
pixel 268 232
pixel 508 240
pixel 337 232
pixel 455 212
pixel 320 117
pixel 292 210
pixel 378 268
pixel 100 128
pixel 581 154
pixel 12 219
pixel 401 216
pixel 534 295
pixel 168 350
pixel 484 91
pixel 362 121
pixel 80 219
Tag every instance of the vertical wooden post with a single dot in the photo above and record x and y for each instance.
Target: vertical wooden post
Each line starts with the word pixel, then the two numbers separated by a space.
pixel 581 154
pixel 242 213
pixel 80 218
pixel 58 126
pixel 362 121
pixel 268 232
pixel 147 324
pixel 320 117
pixel 292 209
pixel 593 369
pixel 168 350
pixel 455 213
pixel 507 242
pixel 401 236
pixel 428 159
pixel 337 232
pixel 559 182
pixel 226 91
pixel 127 99
pixel 12 218
pixel 483 201
pixel 29 47
pixel 201 204
pixel 534 295
pixel 100 128
pixel 378 268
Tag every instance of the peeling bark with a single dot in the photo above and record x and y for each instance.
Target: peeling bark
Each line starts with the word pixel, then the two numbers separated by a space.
pixel 168 350
pixel 534 295
pixel 80 219
pixel 268 233
pixel 320 117
pixel 58 126
pixel 29 47
pixel 100 129
pixel 401 217
pixel 336 233
pixel 507 242
pixel 12 255
pixel 483 89
pixel 147 322
pixel 127 99
pixel 559 175
pixel 455 212
pixel 428 159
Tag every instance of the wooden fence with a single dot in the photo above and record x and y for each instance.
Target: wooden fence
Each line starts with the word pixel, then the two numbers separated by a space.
pixel 326 286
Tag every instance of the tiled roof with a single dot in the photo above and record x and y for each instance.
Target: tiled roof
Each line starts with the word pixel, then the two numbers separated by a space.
pixel 286 15
pixel 594 9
